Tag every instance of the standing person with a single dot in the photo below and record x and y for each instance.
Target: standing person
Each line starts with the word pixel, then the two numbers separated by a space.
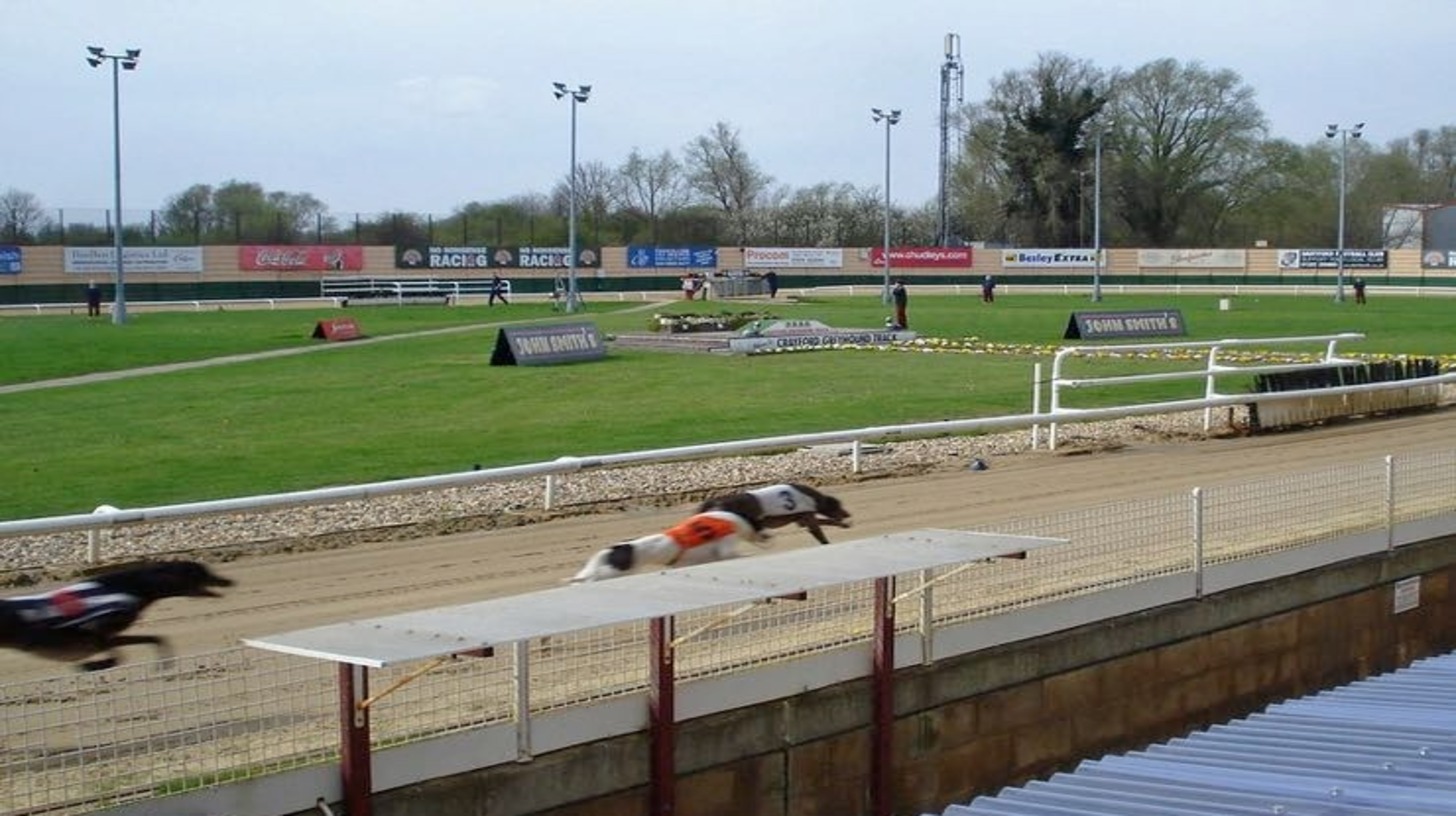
pixel 900 298
pixel 1360 290
pixel 93 299
pixel 497 290
pixel 772 279
pixel 988 289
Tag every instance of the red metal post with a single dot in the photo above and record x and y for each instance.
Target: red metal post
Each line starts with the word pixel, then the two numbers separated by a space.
pixel 662 725
pixel 882 730
pixel 354 760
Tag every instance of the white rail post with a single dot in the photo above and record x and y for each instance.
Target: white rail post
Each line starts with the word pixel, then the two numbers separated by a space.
pixel 1197 542
pixel 927 618
pixel 550 490
pixel 1036 405
pixel 521 697
pixel 854 456
pixel 1056 393
pixel 1389 503
pixel 1208 389
pixel 95 534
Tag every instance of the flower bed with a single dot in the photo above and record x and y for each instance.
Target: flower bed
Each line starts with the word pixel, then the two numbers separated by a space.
pixel 723 322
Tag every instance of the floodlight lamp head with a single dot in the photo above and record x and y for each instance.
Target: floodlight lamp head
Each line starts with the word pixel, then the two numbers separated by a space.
pixel 1355 131
pixel 133 53
pixel 95 50
pixel 1331 130
pixel 877 113
pixel 128 65
pixel 94 62
pixel 560 89
pixel 894 116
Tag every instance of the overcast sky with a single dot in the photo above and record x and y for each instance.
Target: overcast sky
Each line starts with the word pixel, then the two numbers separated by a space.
pixel 424 105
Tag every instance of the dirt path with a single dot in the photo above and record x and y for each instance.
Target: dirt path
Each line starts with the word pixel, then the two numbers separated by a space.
pixel 278 593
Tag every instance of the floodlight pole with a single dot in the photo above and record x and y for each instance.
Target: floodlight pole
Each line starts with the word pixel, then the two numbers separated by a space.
pixel 889 118
pixel 128 60
pixel 1345 135
pixel 579 94
pixel 1097 220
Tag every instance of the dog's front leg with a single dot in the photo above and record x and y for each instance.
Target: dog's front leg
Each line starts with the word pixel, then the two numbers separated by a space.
pixel 810 523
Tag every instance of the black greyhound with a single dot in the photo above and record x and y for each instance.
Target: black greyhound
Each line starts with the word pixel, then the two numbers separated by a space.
pixel 783 504
pixel 82 619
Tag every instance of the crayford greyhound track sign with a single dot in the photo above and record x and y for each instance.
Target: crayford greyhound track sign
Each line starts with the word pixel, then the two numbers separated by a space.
pixel 548 344
pixel 797 335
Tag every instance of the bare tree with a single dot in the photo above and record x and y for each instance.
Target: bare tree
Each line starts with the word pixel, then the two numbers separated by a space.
pixel 720 170
pixel 651 186
pixel 20 215
pixel 597 192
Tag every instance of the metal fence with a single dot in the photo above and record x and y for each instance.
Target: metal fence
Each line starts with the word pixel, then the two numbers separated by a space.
pixel 78 743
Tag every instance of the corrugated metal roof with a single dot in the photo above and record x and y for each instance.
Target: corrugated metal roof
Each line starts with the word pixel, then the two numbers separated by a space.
pixel 438 632
pixel 1385 745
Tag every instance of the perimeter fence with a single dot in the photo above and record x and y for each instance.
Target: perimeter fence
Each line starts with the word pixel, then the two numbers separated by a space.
pixel 81 742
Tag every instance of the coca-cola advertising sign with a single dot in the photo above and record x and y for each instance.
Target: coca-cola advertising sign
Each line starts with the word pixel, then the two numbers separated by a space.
pixel 922 257
pixel 301 258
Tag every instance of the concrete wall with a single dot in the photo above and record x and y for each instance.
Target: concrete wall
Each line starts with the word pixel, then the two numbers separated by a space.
pixel 1002 716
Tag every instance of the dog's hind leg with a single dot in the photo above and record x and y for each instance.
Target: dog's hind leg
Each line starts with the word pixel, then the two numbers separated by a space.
pixel 101 663
pixel 163 647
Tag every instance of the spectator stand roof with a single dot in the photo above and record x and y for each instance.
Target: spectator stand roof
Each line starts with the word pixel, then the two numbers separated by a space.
pixel 1381 746
pixel 436 633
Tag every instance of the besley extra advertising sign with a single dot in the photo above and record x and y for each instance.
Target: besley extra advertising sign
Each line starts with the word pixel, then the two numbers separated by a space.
pixel 1044 258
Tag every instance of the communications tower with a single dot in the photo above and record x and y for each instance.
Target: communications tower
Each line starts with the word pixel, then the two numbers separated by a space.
pixel 952 92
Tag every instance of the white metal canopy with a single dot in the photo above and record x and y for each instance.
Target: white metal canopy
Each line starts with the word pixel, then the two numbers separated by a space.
pixel 432 633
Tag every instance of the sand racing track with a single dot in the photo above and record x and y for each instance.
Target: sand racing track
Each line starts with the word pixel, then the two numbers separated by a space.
pixel 277 593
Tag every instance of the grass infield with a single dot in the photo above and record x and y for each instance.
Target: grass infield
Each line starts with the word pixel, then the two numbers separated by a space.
pixel 429 403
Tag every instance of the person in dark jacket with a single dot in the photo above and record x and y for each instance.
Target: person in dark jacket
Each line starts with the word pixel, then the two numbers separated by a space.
pixel 900 298
pixel 93 299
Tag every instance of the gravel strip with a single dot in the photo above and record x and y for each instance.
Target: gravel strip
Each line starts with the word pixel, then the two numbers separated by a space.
pixel 29 559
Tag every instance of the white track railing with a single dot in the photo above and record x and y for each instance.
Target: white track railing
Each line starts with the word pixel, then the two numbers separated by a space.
pixel 401 288
pixel 575 464
pixel 1210 373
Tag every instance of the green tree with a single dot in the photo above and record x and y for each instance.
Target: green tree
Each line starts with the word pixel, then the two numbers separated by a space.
pixel 1042 118
pixel 189 214
pixel 1183 137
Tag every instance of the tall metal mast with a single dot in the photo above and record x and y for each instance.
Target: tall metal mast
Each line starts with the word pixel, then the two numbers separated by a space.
pixel 952 92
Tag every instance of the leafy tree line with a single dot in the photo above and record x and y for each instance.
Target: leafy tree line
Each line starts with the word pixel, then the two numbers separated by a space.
pixel 1186 160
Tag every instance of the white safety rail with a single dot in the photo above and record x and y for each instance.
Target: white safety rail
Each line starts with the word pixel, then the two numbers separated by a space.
pixel 250 728
pixel 1212 369
pixel 401 290
pixel 565 465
